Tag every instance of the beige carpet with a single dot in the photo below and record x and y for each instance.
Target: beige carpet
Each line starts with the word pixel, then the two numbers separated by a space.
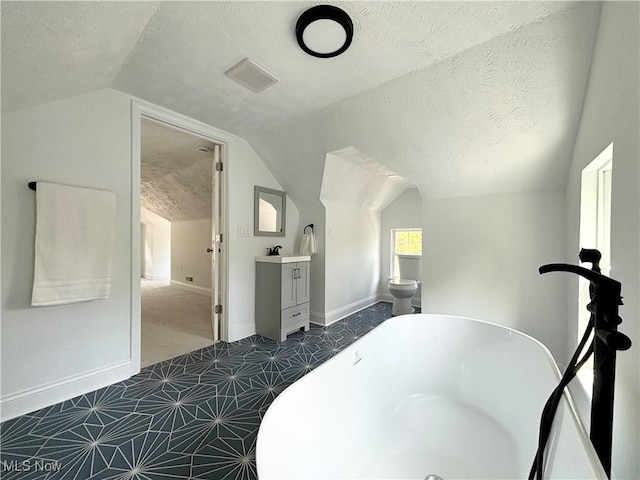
pixel 174 321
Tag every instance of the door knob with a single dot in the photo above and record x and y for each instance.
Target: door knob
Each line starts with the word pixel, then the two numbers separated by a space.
pixel 209 250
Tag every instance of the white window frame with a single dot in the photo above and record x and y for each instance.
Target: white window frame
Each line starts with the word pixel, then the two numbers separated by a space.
pixel 595 232
pixel 393 260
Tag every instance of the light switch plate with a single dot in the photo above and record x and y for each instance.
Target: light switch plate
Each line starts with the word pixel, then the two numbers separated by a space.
pixel 243 231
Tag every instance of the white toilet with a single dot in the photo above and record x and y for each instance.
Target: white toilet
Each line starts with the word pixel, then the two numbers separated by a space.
pixel 405 287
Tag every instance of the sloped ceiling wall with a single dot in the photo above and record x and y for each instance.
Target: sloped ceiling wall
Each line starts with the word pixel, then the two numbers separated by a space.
pixel 499 117
pixel 461 98
pixel 352 178
pixel 175 177
pixel 52 50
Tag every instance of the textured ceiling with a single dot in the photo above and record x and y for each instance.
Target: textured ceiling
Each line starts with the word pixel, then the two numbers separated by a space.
pixel 52 50
pixel 499 117
pixel 175 178
pixel 461 98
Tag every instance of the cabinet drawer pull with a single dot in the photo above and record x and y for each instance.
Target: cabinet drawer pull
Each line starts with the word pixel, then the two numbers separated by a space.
pixel 297 314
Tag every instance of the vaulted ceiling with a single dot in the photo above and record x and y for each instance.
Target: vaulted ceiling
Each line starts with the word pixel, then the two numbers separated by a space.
pixel 175 173
pixel 460 98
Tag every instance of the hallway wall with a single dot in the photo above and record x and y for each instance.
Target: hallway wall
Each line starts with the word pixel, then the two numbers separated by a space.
pixel 189 257
pixel 157 245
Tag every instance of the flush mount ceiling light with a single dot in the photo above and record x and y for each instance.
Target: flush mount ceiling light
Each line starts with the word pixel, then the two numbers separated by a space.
pixel 324 31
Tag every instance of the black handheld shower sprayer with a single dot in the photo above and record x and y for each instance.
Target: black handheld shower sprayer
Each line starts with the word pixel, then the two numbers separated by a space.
pixel 605 298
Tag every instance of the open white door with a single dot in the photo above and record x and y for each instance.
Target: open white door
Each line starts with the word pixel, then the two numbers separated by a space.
pixel 216 244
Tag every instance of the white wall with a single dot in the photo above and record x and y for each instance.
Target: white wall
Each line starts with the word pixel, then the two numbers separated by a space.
pixel 611 114
pixel 404 212
pixel 189 256
pixel 352 259
pixel 54 353
pixel 314 212
pixel 156 242
pixel 481 257
pixel 245 170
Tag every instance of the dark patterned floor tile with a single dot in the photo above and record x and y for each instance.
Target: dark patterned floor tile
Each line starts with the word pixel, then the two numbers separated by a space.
pixel 85 450
pixel 167 409
pixel 147 457
pixel 58 407
pixel 249 344
pixel 162 377
pixel 265 388
pixel 332 333
pixel 17 438
pixel 213 360
pixel 231 381
pixel 275 359
pixel 100 408
pixel 215 420
pixel 193 416
pixel 331 347
pixel 226 459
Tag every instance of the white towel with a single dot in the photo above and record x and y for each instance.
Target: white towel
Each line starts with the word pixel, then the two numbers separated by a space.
pixel 74 244
pixel 308 244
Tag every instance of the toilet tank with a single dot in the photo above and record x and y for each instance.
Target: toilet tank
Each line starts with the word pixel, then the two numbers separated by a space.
pixel 410 266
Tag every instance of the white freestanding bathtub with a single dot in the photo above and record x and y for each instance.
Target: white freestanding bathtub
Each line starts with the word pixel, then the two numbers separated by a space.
pixel 425 395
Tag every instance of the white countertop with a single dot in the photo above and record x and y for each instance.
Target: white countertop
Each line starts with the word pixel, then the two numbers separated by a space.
pixel 283 258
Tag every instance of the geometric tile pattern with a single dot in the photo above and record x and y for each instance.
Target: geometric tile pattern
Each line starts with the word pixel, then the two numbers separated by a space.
pixel 194 416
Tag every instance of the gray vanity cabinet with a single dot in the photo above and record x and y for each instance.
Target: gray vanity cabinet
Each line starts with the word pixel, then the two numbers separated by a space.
pixel 295 284
pixel 282 298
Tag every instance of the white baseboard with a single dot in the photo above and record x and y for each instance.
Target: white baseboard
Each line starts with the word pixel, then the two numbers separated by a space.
pixel 192 288
pixel 242 332
pixel 32 399
pixel 342 312
pixel 317 318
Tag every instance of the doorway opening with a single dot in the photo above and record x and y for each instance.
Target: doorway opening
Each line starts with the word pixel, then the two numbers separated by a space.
pixel 181 207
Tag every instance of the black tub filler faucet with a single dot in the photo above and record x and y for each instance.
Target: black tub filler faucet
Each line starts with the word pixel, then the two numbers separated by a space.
pixel 607 340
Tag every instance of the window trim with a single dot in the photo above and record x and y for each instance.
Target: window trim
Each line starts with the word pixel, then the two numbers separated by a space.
pixel 392 248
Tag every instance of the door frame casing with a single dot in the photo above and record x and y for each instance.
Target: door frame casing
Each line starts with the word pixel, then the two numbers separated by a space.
pixel 140 110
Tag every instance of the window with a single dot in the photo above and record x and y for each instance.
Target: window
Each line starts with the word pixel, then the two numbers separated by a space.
pixel 595 232
pixel 404 241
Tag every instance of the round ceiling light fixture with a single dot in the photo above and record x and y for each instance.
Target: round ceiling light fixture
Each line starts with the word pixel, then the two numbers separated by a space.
pixel 324 31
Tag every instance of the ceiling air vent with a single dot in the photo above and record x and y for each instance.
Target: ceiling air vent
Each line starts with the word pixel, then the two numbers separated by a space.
pixel 251 75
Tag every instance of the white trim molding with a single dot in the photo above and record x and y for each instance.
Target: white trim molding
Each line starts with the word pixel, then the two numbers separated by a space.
pixel 32 399
pixel 243 331
pixel 139 110
pixel 342 312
